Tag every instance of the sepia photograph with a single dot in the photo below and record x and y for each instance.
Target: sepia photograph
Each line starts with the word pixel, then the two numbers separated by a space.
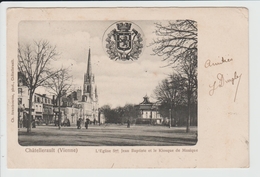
pixel 107 83
pixel 93 87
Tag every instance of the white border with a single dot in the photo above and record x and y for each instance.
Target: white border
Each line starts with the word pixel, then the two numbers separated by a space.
pixel 254 88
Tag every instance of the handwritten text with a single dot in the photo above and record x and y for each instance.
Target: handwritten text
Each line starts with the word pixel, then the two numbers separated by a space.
pixel 223 60
pixel 222 81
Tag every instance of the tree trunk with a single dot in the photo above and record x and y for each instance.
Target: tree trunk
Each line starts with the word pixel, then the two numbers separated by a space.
pixel 170 118
pixel 188 118
pixel 175 117
pixel 29 119
pixel 59 117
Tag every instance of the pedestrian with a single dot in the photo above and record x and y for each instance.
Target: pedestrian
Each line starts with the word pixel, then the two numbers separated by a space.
pixel 86 123
pixel 68 123
pixel 24 120
pixel 79 123
pixel 128 123
pixel 33 123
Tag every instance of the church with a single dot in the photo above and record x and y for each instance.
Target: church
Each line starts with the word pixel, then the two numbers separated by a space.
pixel 85 102
pixel 89 102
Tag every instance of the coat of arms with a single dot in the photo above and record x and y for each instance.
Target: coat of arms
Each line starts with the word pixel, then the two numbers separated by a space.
pixel 124 43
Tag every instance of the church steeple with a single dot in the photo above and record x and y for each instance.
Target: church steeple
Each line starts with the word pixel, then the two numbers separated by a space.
pixel 89 68
pixel 89 95
pixel 89 81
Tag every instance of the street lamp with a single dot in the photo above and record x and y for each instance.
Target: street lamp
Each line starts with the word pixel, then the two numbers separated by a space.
pixel 48 117
pixel 99 116
pixel 170 117
pixel 170 113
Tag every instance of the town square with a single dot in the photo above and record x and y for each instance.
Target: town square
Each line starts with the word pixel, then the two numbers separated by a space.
pixel 108 135
pixel 110 87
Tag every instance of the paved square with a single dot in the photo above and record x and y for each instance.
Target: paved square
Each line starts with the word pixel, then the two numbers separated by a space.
pixel 108 135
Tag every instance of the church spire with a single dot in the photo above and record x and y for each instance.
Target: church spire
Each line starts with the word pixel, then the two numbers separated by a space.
pixel 96 95
pixel 89 69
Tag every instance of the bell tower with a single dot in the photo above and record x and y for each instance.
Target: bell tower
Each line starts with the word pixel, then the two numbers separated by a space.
pixel 88 79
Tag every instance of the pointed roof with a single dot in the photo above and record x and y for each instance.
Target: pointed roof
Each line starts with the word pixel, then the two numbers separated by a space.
pixel 146 100
pixel 89 68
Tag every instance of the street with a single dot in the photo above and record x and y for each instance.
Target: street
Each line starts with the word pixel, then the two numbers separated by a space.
pixel 108 135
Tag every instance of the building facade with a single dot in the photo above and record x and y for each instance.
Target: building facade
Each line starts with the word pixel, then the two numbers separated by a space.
pixel 47 112
pixel 23 102
pixel 149 111
pixel 38 107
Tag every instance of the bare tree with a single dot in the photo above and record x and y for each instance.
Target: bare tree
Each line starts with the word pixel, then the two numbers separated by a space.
pixel 177 44
pixel 34 64
pixel 171 92
pixel 189 70
pixel 59 85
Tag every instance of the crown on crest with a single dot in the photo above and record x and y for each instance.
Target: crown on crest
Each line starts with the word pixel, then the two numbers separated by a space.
pixel 123 26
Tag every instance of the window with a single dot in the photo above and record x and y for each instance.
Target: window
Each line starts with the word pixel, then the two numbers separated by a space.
pixel 20 91
pixel 38 99
pixel 45 100
pixel 36 108
pixel 20 82
pixel 34 98
pixel 20 101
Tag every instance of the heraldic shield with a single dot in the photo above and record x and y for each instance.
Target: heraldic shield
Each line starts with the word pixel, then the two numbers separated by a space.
pixel 123 41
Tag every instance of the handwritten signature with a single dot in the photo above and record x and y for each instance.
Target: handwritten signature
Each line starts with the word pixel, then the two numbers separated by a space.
pixel 223 60
pixel 221 82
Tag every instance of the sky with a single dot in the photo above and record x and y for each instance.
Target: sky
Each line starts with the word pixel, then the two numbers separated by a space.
pixel 117 83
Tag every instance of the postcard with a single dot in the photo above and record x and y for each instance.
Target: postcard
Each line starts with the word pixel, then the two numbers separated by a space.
pixel 127 88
